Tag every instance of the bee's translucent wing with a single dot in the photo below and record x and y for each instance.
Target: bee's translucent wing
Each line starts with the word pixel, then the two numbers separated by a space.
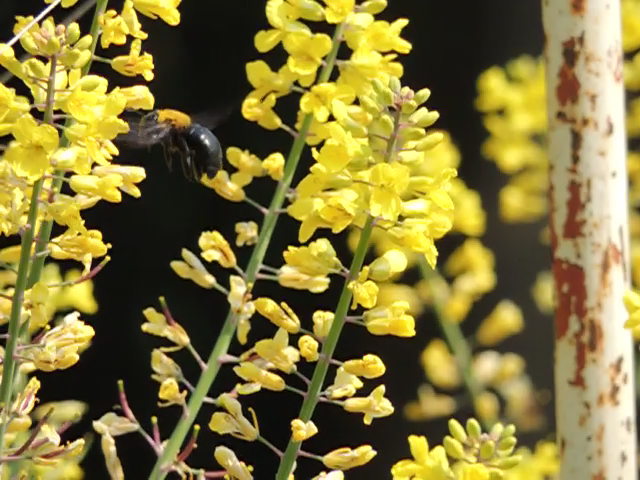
pixel 144 131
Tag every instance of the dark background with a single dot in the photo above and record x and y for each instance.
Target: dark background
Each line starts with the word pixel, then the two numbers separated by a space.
pixel 200 68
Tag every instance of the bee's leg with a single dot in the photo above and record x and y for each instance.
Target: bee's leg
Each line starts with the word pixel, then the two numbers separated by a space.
pixel 167 153
pixel 186 159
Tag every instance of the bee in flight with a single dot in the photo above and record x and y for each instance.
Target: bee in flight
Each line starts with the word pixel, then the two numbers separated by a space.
pixel 194 145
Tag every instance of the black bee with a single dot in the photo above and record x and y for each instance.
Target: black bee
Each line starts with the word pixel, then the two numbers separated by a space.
pixel 195 146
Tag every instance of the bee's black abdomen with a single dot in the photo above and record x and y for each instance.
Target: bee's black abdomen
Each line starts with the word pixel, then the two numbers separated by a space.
pixel 206 148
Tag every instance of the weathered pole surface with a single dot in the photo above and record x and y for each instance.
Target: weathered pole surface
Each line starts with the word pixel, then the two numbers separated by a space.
pixel 589 229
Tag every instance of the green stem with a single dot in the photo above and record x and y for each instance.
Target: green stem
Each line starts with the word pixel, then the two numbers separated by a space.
pixel 453 336
pixel 9 362
pixel 328 348
pixel 223 341
pixel 44 234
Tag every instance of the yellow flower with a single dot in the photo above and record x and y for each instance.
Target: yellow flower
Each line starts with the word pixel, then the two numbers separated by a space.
pixel 344 385
pixel 131 19
pixel 319 99
pixel 337 11
pixel 378 35
pixel 390 181
pixel 505 320
pixel 247 233
pixel 233 420
pixel 163 366
pixel 426 464
pixel 346 458
pixel 236 469
pixel 632 304
pixel 260 110
pixel 322 321
pixel 278 352
pixel 80 246
pixel 282 17
pixel 105 187
pixel 224 186
pixel 373 406
pixel 439 365
pixel 114 29
pixel 308 347
pixel 391 263
pixel 301 431
pixel 369 366
pixel 274 165
pixel 170 392
pixel 306 51
pixel 215 248
pixel 158 324
pixel 129 175
pixel 29 153
pixel 429 405
pixel 193 269
pixel 167 10
pixel 266 81
pixel 253 373
pixel 241 305
pixel 364 291
pixel 280 315
pixel 134 63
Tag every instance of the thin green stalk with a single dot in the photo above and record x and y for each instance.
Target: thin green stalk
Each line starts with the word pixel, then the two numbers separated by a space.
pixel 328 348
pixel 454 337
pixel 9 363
pixel 223 341
pixel 44 234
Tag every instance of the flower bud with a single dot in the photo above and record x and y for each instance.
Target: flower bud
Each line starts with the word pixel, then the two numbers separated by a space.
pixel 422 96
pixel 454 448
pixel 474 429
pixel 423 117
pixel 457 430
pixel 487 450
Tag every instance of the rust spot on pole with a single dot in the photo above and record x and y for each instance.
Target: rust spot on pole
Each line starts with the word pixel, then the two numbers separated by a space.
pixel 576 145
pixel 577 7
pixel 570 292
pixel 568 84
pixel 573 224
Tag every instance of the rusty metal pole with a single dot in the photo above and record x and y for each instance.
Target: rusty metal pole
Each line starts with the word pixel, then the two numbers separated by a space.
pixel 589 239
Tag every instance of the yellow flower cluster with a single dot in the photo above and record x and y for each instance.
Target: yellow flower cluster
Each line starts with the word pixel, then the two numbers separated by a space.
pixel 60 135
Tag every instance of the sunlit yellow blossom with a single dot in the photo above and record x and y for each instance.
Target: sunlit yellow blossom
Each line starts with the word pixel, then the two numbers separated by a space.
pixel 429 405
pixel 632 304
pixel 274 165
pixel 59 348
pixel 390 320
pixel 322 321
pixel 241 305
pixel 346 458
pixel 277 351
pixel 376 405
pixel 114 466
pixel 260 110
pixel 369 366
pixel 81 246
pixel 487 407
pixel 390 263
pixel 247 233
pixel 170 393
pixel 505 320
pixel 282 18
pixel 248 166
pixel 129 175
pixel 114 29
pixel 301 431
pixel 306 51
pixel 135 63
pixel 308 347
pixel 319 99
pixel 233 421
pixel 164 366
pixel 193 269
pixel 364 291
pixel 379 35
pixel 439 365
pixel 157 324
pixel 338 10
pixel 425 464
pixel 224 186
pixel 29 153
pixel 266 81
pixel 390 181
pixel 215 248
pixel 236 469
pixel 344 385
pixel 252 373
pixel 281 315
pixel 77 296
pixel 105 187
pixel 167 10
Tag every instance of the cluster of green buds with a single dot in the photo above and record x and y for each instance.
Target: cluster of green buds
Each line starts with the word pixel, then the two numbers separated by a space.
pixel 494 449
